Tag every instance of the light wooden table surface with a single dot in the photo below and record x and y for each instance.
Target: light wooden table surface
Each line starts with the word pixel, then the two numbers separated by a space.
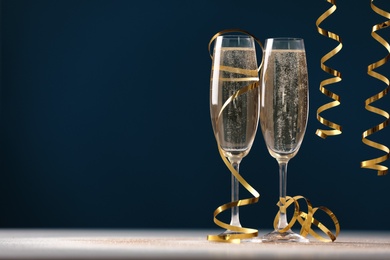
pixel 178 244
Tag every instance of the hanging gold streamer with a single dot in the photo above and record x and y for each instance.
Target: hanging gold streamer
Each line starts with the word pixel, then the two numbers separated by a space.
pixel 336 128
pixel 374 164
pixel 242 232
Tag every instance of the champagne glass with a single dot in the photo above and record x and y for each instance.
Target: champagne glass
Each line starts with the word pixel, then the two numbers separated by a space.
pixel 284 114
pixel 234 67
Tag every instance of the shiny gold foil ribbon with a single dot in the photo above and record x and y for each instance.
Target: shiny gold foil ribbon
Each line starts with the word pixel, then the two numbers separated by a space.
pixel 374 164
pixel 306 220
pixel 336 128
pixel 240 232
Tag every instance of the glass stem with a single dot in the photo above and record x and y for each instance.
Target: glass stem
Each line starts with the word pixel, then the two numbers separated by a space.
pixel 282 194
pixel 235 219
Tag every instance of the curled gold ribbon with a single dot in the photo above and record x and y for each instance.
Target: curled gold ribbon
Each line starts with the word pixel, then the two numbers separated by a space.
pixel 374 164
pixel 336 128
pixel 307 219
pixel 242 232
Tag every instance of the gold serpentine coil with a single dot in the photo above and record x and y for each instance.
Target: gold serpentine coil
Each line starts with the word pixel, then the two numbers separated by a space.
pixel 335 128
pixel 374 164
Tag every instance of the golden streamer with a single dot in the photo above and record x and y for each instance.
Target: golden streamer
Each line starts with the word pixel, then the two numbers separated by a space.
pixel 307 219
pixel 336 128
pixel 242 232
pixel 374 164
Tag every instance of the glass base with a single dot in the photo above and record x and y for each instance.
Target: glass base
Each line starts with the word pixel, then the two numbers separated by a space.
pixel 246 240
pixel 289 236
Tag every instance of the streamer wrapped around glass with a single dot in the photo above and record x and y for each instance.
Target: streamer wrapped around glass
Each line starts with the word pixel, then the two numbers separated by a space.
pixel 283 115
pixel 234 67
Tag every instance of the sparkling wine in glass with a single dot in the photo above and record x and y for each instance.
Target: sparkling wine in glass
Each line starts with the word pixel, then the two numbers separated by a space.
pixel 284 114
pixel 234 67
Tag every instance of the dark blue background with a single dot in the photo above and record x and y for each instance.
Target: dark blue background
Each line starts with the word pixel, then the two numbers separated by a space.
pixel 105 114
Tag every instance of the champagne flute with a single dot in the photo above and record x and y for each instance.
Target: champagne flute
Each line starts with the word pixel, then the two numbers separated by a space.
pixel 283 115
pixel 234 67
